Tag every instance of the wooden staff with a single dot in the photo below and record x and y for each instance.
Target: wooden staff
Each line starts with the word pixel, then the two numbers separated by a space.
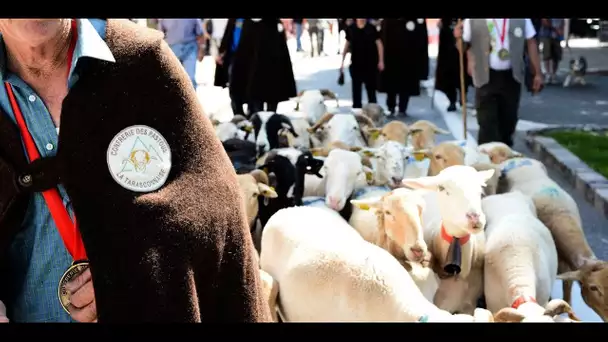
pixel 463 97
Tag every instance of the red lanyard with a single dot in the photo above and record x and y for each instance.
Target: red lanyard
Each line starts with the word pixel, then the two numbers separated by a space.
pixel 503 32
pixel 67 229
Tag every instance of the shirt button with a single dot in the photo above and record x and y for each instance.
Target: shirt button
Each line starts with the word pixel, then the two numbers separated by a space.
pixel 49 147
pixel 32 98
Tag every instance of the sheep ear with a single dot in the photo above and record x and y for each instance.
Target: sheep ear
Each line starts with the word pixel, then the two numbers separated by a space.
pixel 267 191
pixel 571 276
pixel 415 130
pixel 427 183
pixel 485 175
pixel 367 204
pixel 369 174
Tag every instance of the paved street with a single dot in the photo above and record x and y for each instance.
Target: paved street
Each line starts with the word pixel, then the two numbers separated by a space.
pixel 555 105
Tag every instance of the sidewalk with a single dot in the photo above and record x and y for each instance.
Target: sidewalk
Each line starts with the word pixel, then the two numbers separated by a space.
pixel 595 53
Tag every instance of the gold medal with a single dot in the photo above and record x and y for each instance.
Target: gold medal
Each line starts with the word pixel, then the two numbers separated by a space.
pixel 503 54
pixel 72 272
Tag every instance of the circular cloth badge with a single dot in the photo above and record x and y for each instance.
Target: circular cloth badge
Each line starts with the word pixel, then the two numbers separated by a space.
pixel 410 26
pixel 139 159
pixel 517 32
pixel 420 21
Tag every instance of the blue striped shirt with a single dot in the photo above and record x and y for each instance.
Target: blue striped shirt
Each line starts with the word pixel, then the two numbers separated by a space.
pixel 37 255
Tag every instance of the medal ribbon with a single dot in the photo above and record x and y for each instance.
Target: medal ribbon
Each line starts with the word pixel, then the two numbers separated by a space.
pixel 501 34
pixel 67 229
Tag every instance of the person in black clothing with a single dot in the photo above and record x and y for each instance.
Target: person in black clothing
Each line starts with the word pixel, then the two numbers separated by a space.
pixel 367 58
pixel 261 71
pixel 447 76
pixel 405 42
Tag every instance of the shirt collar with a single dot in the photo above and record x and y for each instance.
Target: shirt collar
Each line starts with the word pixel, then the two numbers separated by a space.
pixel 89 44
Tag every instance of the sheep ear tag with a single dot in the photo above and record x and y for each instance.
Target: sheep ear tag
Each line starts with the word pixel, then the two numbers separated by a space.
pixel 316 153
pixel 139 159
pixel 369 177
pixel 419 156
pixel 375 134
pixel 248 129
pixel 363 206
pixel 368 153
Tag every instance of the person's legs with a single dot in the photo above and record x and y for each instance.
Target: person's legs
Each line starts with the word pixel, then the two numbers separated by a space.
pixel 391 101
pixel 188 57
pixel 298 37
pixel 255 106
pixel 272 106
pixel 547 58
pixel 370 87
pixel 235 101
pixel 487 111
pixel 509 95
pixel 312 49
pixel 320 37
pixel 357 84
pixel 404 100
pixel 451 95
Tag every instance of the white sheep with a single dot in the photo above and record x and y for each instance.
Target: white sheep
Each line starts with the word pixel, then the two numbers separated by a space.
pixel 390 162
pixel 237 128
pixel 560 214
pixel 471 154
pixel 327 273
pixel 393 221
pixel 422 134
pixel 393 130
pixel 312 103
pixel 343 173
pixel 453 210
pixel 342 127
pixel 498 152
pixel 520 263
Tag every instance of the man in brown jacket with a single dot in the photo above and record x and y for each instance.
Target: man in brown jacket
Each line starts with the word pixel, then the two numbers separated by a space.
pixel 140 198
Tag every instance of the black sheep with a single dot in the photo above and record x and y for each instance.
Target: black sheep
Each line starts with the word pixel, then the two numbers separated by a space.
pixel 242 154
pixel 287 175
pixel 267 127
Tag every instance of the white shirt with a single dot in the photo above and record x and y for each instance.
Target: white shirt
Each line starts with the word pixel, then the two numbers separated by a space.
pixel 495 62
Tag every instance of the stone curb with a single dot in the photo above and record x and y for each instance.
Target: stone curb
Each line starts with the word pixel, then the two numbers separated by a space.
pixel 592 185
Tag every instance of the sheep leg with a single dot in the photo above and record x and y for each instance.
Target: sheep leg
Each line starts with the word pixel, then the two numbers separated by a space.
pixel 563 267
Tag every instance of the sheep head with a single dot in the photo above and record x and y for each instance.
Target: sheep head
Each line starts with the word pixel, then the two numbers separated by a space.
pixel 498 152
pixel 445 155
pixel 422 133
pixel 593 278
pixel 459 190
pixel 253 185
pixel 400 212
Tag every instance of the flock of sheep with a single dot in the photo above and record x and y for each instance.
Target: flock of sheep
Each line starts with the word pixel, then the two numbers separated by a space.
pixel 366 221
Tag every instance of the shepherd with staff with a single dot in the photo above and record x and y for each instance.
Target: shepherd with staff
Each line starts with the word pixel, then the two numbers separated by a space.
pixel 495 60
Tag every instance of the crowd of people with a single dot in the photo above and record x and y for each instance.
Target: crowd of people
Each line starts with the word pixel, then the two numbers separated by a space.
pixel 137 152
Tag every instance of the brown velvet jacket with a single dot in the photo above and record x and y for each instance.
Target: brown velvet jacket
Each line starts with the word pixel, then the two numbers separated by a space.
pixel 182 253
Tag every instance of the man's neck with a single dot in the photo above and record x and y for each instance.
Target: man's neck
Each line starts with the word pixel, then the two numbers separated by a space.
pixel 39 61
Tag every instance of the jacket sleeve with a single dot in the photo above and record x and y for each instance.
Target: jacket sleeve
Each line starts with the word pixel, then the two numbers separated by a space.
pixel 189 257
pixel 227 37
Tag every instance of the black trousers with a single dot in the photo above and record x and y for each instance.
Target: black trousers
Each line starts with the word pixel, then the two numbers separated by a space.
pixel 235 101
pixel 258 106
pixel 358 79
pixel 391 101
pixel 497 104
pixel 452 95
